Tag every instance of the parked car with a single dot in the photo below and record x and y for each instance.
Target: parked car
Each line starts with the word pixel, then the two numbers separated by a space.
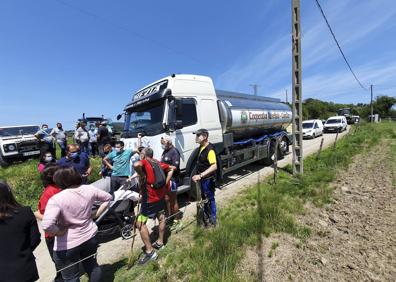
pixel 335 124
pixel 312 128
pixel 18 143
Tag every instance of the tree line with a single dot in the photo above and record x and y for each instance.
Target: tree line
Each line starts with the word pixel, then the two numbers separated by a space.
pixel 317 109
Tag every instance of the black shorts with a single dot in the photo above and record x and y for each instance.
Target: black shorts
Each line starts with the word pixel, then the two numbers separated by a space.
pixel 151 210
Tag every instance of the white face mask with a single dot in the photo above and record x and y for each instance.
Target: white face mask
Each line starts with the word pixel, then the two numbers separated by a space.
pixel 48 159
pixel 163 146
pixel 118 150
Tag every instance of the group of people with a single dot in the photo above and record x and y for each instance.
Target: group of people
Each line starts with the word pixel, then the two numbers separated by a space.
pixel 90 140
pixel 65 206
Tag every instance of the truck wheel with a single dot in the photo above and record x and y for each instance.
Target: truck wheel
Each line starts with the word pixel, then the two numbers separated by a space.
pixel 283 147
pixel 195 189
pixel 3 161
pixel 268 160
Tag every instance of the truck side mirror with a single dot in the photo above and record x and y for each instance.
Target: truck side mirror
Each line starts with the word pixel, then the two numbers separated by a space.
pixel 171 115
pixel 119 116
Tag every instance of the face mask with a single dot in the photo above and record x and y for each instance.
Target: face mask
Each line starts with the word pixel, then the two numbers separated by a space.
pixel 163 146
pixel 118 150
pixel 45 128
pixel 74 155
pixel 48 159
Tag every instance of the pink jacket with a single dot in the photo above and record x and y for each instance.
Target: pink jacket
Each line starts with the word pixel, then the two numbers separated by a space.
pixel 72 209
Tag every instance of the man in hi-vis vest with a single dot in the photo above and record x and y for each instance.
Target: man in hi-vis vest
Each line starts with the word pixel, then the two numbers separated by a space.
pixel 206 171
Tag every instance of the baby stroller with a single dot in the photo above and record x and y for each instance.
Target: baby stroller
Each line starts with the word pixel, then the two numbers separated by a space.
pixel 117 220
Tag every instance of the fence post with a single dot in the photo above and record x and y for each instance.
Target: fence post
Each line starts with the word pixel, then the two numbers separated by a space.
pixel 335 141
pixel 320 148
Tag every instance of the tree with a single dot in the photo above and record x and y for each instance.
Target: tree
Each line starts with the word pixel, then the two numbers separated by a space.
pixel 383 105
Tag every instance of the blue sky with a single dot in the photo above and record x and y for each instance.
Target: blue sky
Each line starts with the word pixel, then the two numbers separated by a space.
pixel 60 58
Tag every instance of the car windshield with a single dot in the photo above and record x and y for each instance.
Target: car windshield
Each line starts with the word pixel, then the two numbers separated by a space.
pixel 330 121
pixel 146 120
pixel 18 130
pixel 307 125
pixel 342 112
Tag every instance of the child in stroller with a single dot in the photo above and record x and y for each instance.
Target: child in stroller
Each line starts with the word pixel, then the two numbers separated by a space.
pixel 117 220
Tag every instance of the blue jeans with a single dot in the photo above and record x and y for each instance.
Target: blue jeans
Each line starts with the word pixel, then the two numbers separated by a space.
pixel 70 258
pixel 208 192
pixel 62 146
pixel 84 147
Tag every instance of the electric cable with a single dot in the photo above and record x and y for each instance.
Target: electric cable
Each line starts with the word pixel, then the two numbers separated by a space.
pixel 338 45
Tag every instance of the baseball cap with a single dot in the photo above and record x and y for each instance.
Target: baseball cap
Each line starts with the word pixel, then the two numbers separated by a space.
pixel 201 131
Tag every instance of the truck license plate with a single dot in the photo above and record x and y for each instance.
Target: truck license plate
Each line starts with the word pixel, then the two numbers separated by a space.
pixel 31 153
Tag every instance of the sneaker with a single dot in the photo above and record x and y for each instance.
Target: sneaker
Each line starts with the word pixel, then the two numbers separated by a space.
pixel 147 257
pixel 157 246
pixel 176 225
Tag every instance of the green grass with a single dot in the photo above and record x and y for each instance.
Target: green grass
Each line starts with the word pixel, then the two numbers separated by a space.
pixel 24 178
pixel 214 255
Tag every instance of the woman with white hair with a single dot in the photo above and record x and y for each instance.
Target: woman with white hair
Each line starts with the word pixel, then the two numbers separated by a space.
pixel 171 156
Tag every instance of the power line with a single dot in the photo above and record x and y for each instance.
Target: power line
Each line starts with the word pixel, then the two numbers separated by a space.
pixel 338 45
pixel 129 30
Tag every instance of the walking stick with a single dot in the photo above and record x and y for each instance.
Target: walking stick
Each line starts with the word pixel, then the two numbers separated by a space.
pixel 130 262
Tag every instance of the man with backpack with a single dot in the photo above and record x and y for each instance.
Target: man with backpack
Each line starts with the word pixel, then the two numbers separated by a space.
pixel 153 189
pixel 206 172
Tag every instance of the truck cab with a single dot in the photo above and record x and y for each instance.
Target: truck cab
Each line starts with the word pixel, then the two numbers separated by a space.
pixel 176 107
pixel 18 143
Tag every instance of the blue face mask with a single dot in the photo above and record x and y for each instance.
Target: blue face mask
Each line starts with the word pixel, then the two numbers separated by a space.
pixel 74 155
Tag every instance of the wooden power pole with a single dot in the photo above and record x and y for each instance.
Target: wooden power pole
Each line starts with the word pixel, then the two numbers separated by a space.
pixel 296 91
pixel 255 87
pixel 371 104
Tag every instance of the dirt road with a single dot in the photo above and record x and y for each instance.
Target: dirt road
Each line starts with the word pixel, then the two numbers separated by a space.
pixel 236 182
pixel 353 239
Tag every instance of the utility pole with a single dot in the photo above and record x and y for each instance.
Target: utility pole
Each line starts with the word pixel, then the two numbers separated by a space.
pixel 296 91
pixel 371 104
pixel 255 87
pixel 286 97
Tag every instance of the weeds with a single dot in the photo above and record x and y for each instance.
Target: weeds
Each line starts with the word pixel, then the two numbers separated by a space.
pixel 273 248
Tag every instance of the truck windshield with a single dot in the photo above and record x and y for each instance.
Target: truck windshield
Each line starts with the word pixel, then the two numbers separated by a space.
pixel 146 120
pixel 329 121
pixel 18 130
pixel 307 125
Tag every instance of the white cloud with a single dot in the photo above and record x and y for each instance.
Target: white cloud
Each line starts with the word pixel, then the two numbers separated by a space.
pixel 353 22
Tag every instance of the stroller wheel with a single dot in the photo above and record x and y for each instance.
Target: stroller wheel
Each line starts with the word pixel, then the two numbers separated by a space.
pixel 126 231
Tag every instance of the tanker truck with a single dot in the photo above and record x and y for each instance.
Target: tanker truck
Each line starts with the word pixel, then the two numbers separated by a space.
pixel 243 128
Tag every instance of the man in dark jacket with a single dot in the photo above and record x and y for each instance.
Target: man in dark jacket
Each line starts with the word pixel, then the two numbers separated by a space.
pixel 206 172
pixel 103 138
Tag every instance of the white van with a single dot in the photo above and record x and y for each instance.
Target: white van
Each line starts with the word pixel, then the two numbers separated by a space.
pixel 312 128
pixel 334 124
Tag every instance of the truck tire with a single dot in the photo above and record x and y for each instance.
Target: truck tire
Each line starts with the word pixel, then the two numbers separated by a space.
pixel 195 189
pixel 3 161
pixel 268 160
pixel 283 147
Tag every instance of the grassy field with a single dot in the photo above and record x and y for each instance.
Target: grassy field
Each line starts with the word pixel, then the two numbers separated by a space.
pixel 24 178
pixel 213 255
